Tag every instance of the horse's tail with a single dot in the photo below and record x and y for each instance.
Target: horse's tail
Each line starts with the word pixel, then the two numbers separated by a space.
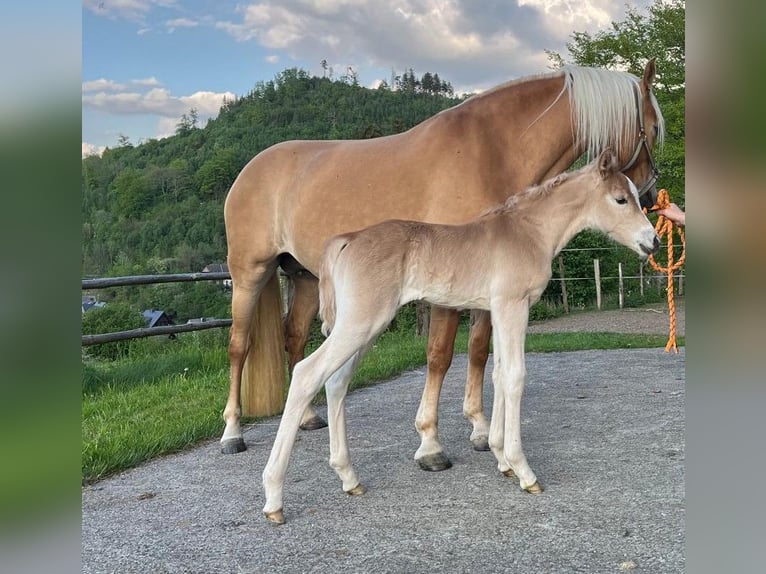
pixel 327 303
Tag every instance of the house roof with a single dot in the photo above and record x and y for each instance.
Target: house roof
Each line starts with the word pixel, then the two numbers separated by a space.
pixel 154 316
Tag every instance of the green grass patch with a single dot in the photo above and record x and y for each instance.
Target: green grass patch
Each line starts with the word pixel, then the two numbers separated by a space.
pixel 171 395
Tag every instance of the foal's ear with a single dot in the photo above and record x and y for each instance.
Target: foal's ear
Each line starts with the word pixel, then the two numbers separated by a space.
pixel 650 72
pixel 607 163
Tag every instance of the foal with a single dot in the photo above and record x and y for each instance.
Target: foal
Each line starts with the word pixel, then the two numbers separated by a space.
pixel 500 262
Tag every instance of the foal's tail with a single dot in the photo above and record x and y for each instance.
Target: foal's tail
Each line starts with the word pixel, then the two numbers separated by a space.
pixel 327 304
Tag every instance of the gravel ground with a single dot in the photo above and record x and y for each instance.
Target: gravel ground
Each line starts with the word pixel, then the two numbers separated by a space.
pixel 651 319
pixel 604 431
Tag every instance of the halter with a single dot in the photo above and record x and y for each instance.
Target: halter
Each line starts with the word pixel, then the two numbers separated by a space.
pixel 642 144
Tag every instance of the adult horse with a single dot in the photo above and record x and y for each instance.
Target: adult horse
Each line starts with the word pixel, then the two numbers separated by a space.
pixel 367 275
pixel 292 197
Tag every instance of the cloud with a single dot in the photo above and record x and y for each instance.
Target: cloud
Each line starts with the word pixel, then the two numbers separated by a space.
pixel 149 82
pixel 102 85
pixel 272 59
pixel 481 42
pixel 180 23
pixel 128 9
pixel 156 101
pixel 90 149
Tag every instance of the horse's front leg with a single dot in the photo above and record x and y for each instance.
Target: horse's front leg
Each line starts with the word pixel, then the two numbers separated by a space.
pixel 303 305
pixel 478 353
pixel 509 322
pixel 441 345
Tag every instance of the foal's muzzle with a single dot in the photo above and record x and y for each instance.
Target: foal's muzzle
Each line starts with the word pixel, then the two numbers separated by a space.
pixel 654 248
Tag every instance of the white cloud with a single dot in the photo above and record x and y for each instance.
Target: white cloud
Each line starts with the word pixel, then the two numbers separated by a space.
pixel 180 23
pixel 129 9
pixel 149 82
pixel 102 85
pixel 480 45
pixel 272 59
pixel 157 101
pixel 90 149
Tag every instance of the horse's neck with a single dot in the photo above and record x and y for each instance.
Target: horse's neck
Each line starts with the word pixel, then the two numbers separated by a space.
pixel 533 122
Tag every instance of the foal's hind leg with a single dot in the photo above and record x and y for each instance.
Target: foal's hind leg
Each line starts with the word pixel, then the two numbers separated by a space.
pixel 441 345
pixel 478 353
pixel 247 284
pixel 303 307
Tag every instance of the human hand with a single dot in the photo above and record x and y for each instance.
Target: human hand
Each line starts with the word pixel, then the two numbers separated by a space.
pixel 674 214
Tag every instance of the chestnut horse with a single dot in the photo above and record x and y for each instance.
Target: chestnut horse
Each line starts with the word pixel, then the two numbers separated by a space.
pixel 290 198
pixel 500 262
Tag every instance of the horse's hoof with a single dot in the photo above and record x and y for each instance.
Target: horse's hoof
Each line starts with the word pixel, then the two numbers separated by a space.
pixel 535 488
pixel 357 490
pixel 510 474
pixel 434 462
pixel 480 443
pixel 233 445
pixel 276 517
pixel 314 424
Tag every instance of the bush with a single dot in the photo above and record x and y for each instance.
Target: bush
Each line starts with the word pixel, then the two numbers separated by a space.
pixel 108 319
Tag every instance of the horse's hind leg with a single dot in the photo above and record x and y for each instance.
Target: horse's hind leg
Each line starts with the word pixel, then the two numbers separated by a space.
pixel 247 284
pixel 303 307
pixel 441 343
pixel 478 353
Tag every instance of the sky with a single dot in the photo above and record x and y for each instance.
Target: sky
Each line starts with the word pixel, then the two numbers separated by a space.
pixel 145 63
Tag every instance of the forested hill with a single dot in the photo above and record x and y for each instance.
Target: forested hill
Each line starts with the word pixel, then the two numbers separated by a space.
pixel 157 207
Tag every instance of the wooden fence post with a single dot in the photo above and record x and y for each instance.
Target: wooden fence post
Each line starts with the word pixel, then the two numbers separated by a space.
pixel 422 317
pixel 621 288
pixel 264 377
pixel 597 272
pixel 563 284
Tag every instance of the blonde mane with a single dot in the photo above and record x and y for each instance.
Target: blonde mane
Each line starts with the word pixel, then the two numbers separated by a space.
pixel 604 108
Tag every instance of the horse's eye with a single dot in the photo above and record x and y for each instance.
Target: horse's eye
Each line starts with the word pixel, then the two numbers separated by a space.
pixel 621 200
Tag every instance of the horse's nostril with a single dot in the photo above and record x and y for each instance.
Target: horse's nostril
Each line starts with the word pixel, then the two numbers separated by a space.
pixel 656 244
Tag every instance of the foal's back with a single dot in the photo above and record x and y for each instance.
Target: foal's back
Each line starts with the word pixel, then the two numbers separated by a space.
pixel 396 261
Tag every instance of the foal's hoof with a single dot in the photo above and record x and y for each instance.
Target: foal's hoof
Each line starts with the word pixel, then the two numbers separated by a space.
pixel 480 443
pixel 314 423
pixel 535 488
pixel 276 517
pixel 233 445
pixel 357 490
pixel 509 473
pixel 434 462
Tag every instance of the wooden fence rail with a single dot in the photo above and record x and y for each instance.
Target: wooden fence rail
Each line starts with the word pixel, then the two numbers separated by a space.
pixel 152 331
pixel 149 279
pixel 104 282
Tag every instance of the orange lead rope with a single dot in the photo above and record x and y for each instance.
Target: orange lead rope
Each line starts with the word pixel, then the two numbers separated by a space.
pixel 664 228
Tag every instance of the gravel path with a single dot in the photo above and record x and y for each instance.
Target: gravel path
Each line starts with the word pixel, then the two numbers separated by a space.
pixel 651 319
pixel 604 431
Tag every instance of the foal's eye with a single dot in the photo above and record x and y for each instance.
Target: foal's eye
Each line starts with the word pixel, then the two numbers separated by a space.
pixel 621 200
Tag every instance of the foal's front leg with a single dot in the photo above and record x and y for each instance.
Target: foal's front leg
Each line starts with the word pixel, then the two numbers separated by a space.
pixel 509 322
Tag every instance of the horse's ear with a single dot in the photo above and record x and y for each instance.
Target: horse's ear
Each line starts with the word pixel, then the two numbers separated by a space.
pixel 607 163
pixel 650 72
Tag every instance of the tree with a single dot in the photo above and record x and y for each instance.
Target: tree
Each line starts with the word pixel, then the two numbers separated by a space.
pixel 188 122
pixel 131 190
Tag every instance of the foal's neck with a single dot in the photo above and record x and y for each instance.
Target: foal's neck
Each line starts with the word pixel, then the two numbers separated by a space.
pixel 557 214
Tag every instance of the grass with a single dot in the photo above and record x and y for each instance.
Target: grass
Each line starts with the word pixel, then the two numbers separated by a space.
pixel 171 394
